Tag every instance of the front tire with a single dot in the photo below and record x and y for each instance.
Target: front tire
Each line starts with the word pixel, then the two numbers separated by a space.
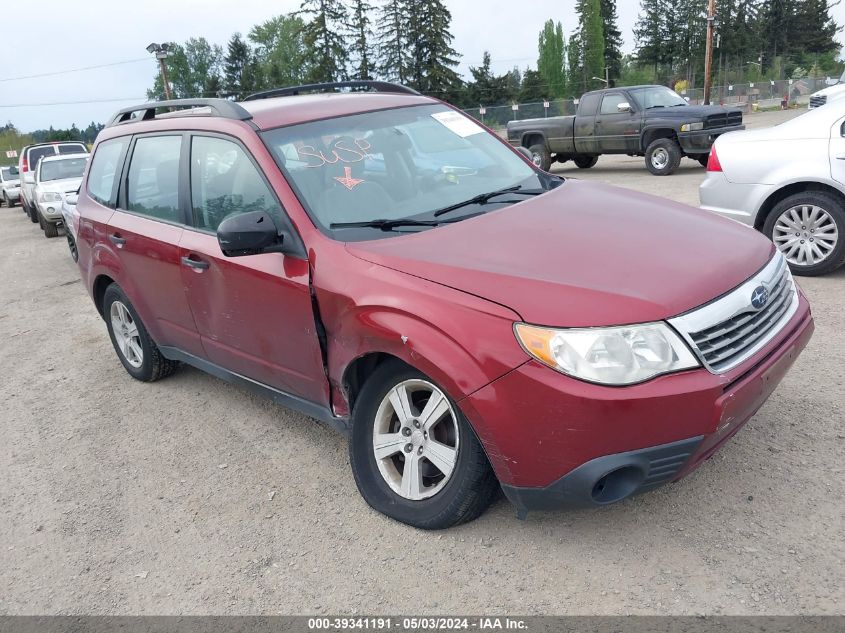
pixel 663 157
pixel 136 350
pixel 51 229
pixel 32 212
pixel 540 156
pixel 414 456
pixel 585 162
pixel 809 229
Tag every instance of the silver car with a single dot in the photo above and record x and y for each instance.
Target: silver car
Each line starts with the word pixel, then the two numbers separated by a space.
pixel 55 177
pixel 789 183
pixel 10 186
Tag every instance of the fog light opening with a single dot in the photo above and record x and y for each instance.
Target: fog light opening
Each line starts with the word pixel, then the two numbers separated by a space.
pixel 617 485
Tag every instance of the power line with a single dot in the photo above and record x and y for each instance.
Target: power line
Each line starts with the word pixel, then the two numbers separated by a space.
pixel 76 70
pixel 63 103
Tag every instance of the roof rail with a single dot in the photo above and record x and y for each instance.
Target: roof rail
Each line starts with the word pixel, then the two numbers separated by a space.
pixel 219 107
pixel 375 86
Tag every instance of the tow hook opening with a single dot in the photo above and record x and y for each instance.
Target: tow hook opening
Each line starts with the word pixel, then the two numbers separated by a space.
pixel 617 485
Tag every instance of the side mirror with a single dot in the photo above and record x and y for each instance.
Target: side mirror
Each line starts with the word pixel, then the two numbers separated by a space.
pixel 525 152
pixel 72 199
pixel 249 234
pixel 29 178
pixel 624 107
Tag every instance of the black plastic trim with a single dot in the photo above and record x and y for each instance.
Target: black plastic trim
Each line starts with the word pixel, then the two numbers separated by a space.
pixel 376 86
pixel 220 107
pixel 311 409
pixel 646 469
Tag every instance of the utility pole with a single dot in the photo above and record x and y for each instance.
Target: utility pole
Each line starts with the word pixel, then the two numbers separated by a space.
pixel 161 52
pixel 708 60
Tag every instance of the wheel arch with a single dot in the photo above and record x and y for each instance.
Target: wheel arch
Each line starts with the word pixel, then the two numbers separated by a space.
pixel 98 291
pixel 533 137
pixel 791 189
pixel 652 134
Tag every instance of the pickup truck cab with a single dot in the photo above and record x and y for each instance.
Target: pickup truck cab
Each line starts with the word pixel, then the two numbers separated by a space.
pixel 650 121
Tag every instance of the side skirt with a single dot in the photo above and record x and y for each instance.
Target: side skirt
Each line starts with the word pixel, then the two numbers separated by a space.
pixel 311 409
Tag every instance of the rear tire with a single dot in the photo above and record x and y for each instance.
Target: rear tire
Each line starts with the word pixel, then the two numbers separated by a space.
pixel 134 347
pixel 438 500
pixel 791 225
pixel 663 157
pixel 33 215
pixel 541 157
pixel 585 162
pixel 703 159
pixel 71 244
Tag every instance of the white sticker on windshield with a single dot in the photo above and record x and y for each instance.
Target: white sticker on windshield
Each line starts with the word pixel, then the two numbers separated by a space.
pixel 461 125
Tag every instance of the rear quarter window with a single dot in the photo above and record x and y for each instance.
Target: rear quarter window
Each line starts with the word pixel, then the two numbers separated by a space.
pixel 104 172
pixel 37 153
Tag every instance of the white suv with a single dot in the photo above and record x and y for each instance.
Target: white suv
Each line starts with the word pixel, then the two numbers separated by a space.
pixel 28 161
pixel 56 177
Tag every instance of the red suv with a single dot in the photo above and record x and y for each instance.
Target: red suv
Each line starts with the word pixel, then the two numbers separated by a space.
pixel 379 261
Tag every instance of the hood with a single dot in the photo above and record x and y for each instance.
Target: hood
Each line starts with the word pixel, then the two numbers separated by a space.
pixel 583 255
pixel 830 91
pixel 62 186
pixel 697 111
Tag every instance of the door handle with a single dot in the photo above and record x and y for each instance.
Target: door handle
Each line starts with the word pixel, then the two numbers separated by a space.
pixel 196 264
pixel 840 157
pixel 117 240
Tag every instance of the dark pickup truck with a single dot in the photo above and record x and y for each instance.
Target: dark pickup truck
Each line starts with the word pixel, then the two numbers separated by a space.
pixel 650 121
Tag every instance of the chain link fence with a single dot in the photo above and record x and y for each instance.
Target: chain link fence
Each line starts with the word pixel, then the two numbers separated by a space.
pixel 760 94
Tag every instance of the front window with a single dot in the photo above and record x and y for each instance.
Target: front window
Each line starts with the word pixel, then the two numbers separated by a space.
pixel 657 97
pixel 397 165
pixel 62 169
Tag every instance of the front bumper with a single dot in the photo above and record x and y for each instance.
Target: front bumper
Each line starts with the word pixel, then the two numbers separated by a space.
pixel 556 442
pixel 51 211
pixel 701 141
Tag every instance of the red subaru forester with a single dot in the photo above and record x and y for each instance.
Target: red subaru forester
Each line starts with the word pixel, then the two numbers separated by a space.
pixel 379 261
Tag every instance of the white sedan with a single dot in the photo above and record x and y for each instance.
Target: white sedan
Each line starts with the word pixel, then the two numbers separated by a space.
pixel 788 182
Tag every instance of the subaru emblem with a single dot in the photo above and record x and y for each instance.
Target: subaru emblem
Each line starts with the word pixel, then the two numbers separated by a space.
pixel 759 298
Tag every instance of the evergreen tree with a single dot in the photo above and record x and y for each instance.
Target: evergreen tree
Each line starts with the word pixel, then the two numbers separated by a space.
pixel 575 63
pixel 432 58
pixel 818 30
pixel 323 39
pixel 534 87
pixel 652 35
pixel 591 31
pixel 392 24
pixel 361 34
pixel 612 40
pixel 551 64
pixel 237 71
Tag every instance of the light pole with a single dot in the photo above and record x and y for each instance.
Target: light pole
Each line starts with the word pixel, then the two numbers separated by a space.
pixel 161 52
pixel 708 59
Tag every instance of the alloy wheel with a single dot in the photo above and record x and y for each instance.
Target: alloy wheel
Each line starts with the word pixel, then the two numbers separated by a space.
pixel 660 158
pixel 806 234
pixel 126 334
pixel 416 439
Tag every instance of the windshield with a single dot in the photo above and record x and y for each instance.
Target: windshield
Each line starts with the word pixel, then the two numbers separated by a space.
pixel 657 97
pixel 405 163
pixel 61 169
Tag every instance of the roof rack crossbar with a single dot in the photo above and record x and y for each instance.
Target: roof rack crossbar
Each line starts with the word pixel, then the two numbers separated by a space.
pixel 375 86
pixel 220 107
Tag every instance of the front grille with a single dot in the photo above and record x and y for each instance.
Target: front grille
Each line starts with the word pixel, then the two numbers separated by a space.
pixel 728 331
pixel 818 102
pixel 727 119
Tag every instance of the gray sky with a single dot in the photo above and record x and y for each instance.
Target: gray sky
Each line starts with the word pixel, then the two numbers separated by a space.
pixel 75 35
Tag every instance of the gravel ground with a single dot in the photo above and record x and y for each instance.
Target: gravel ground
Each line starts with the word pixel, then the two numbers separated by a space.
pixel 190 496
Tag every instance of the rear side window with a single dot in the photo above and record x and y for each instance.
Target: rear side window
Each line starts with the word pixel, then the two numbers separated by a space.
pixel 224 181
pixel 589 105
pixel 153 183
pixel 72 148
pixel 37 153
pixel 102 177
pixel 610 104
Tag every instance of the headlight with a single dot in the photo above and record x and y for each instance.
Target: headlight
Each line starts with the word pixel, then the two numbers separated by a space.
pixel 692 127
pixel 609 356
pixel 50 196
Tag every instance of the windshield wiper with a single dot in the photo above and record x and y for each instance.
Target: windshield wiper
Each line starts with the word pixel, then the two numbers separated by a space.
pixel 389 225
pixel 484 198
